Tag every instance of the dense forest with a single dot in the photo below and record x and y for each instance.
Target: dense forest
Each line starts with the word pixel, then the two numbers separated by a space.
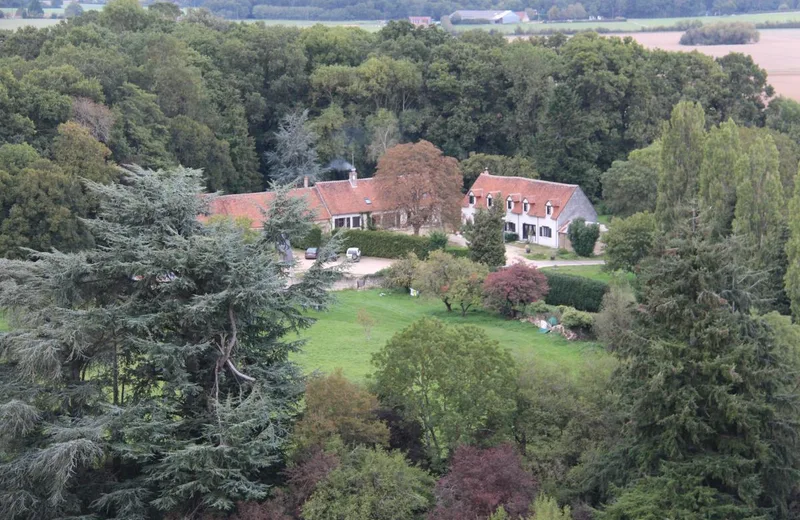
pixel 388 9
pixel 133 86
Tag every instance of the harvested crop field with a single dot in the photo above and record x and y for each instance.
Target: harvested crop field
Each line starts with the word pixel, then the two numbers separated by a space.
pixel 778 52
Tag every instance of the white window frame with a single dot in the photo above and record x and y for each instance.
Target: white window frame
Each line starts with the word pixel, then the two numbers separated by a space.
pixel 525 206
pixel 509 204
pixel 471 199
pixel 489 201
pixel 542 233
pixel 510 227
pixel 549 209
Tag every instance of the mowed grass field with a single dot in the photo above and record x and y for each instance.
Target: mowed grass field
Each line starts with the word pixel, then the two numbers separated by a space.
pixel 337 340
pixel 595 272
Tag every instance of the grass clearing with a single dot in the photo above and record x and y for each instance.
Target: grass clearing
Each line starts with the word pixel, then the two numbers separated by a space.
pixel 3 323
pixel 338 341
pixel 595 272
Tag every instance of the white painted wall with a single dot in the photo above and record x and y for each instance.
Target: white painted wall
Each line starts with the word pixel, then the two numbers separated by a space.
pixel 519 220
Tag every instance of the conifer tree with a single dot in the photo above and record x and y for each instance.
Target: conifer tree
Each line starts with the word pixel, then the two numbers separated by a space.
pixel 295 155
pixel 718 177
pixel 485 237
pixel 710 394
pixel 150 373
pixel 681 159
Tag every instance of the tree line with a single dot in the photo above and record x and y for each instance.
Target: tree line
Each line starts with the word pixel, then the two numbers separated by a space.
pixel 142 88
pixel 388 10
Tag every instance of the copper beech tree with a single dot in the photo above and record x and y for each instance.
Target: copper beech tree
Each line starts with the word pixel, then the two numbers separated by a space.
pixel 418 180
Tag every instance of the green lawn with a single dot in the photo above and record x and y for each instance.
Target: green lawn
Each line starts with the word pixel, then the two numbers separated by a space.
pixel 595 272
pixel 3 323
pixel 338 341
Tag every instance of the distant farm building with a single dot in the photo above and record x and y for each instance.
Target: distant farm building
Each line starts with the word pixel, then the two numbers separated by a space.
pixel 477 17
pixel 523 16
pixel 420 21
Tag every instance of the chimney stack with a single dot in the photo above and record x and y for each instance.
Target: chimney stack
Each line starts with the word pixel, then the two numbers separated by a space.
pixel 353 178
pixel 305 181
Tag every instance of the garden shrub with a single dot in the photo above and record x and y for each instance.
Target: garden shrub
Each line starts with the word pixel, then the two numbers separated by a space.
pixel 400 274
pixel 511 237
pixel 572 318
pixel 437 240
pixel 458 252
pixel 581 293
pixel 583 237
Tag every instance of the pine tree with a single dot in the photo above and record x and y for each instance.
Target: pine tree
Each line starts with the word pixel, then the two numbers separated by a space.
pixel 682 144
pixel 150 373
pixel 295 156
pixel 718 177
pixel 710 394
pixel 485 237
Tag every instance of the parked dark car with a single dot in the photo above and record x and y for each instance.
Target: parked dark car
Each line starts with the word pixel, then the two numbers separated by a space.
pixel 312 253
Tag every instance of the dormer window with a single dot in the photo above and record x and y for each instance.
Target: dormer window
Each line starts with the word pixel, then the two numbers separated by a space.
pixel 509 204
pixel 525 205
pixel 489 201
pixel 549 208
pixel 471 199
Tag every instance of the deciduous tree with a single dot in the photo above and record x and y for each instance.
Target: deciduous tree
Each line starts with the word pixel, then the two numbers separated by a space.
pixel 424 184
pixel 682 148
pixel 509 290
pixel 717 180
pixel 629 240
pixel 455 381
pixel 338 407
pixel 371 484
pixel 792 281
pixel 479 481
pixel 456 281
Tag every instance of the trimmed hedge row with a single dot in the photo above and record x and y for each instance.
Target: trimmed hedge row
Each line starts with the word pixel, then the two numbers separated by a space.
pixel 386 244
pixel 581 293
pixel 458 252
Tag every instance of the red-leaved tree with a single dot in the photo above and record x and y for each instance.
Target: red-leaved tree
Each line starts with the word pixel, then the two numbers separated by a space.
pixel 481 480
pixel 509 290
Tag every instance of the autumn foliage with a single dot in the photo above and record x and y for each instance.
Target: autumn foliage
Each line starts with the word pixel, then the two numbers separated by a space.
pixel 509 290
pixel 419 180
pixel 479 481
pixel 337 407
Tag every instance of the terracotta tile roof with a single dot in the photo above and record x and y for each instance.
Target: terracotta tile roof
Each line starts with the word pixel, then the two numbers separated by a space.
pixel 249 205
pixel 327 199
pixel 537 193
pixel 342 198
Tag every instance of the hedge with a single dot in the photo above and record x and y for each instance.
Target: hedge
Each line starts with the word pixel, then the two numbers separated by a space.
pixel 386 244
pixel 582 293
pixel 458 252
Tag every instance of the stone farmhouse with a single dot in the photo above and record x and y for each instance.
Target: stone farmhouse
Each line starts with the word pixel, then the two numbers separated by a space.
pixel 336 204
pixel 538 211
